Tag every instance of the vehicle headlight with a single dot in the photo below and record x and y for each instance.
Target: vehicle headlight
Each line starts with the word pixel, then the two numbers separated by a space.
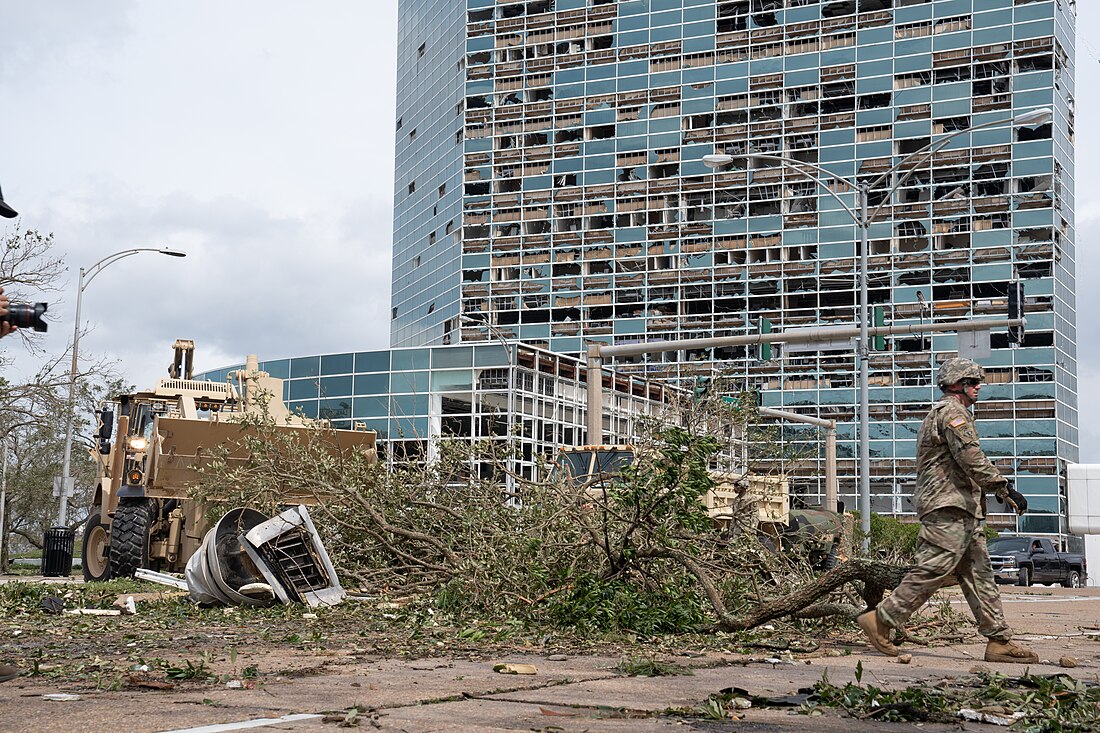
pixel 138 442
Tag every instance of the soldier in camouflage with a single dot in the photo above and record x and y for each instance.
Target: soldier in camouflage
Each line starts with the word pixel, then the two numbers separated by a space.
pixel 953 476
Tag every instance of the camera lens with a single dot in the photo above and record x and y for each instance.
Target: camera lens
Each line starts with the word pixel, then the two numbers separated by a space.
pixel 26 315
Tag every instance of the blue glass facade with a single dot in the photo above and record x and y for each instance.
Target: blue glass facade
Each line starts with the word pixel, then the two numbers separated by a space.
pixel 586 211
pixel 427 213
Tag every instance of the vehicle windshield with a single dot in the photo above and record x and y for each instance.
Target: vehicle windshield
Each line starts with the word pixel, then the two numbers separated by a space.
pixel 613 461
pixel 577 466
pixel 572 465
pixel 1008 544
pixel 141 419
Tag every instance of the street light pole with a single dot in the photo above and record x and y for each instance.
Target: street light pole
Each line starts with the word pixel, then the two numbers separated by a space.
pixel 864 370
pixel 863 220
pixel 82 283
pixel 509 479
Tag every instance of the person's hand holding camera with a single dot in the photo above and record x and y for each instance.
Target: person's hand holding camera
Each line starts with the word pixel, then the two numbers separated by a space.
pixel 6 326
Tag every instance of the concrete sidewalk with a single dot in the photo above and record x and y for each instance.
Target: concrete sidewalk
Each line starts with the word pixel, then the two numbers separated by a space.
pixel 572 694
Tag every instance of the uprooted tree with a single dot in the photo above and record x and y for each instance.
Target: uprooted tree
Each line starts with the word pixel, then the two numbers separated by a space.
pixel 639 552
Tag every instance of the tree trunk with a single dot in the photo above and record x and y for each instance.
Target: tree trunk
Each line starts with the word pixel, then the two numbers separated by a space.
pixel 877 578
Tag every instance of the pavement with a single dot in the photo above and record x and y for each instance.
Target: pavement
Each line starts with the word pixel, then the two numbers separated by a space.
pixel 567 694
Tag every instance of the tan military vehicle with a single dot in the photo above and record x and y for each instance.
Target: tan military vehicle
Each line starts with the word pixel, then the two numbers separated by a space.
pixel 151 447
pixel 736 503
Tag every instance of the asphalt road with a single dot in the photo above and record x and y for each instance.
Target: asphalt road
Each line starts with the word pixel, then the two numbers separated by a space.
pixel 566 694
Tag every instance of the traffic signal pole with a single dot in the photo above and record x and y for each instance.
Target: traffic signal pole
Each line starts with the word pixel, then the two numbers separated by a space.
pixel 597 351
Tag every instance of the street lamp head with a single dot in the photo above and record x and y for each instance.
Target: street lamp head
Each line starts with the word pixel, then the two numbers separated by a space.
pixel 172 252
pixel 717 160
pixel 1034 118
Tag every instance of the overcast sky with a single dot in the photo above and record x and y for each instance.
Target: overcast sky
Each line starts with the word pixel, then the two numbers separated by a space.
pixel 255 136
pixel 258 137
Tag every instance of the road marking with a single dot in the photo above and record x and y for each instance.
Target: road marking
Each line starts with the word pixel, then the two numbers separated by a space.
pixel 257 723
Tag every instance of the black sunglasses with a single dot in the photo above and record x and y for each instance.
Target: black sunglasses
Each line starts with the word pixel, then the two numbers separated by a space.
pixel 970 382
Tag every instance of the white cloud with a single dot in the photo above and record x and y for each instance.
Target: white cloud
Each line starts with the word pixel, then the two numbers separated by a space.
pixel 256 136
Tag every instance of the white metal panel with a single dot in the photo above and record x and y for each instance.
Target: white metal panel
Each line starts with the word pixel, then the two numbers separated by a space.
pixel 1083 495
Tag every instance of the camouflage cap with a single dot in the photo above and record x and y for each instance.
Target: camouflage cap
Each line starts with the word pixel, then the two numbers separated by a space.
pixel 954 371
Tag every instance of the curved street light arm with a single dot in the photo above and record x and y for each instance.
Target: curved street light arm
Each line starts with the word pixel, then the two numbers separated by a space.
pixel 805 169
pixel 109 260
pixel 86 277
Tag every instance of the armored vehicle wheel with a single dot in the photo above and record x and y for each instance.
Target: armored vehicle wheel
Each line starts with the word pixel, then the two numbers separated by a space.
pixel 93 553
pixel 129 537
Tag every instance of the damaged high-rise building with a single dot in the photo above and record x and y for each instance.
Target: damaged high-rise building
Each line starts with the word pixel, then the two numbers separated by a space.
pixel 550 182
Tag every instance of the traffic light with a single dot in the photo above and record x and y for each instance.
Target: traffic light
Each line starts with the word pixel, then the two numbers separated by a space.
pixel 878 318
pixel 764 326
pixel 1016 310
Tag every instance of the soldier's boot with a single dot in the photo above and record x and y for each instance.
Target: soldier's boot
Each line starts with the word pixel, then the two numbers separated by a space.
pixel 8 672
pixel 877 633
pixel 1009 651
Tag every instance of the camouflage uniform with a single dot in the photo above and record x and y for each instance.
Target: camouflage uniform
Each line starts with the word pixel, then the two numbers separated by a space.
pixel 953 476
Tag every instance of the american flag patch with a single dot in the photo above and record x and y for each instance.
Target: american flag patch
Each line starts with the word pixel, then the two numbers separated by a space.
pixel 957 422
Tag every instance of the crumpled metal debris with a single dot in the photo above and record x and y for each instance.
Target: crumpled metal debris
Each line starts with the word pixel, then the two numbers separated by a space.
pixel 251 560
pixel 248 559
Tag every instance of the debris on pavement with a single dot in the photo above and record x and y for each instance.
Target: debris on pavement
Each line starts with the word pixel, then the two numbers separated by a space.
pixel 143 680
pixel 162 578
pixel 1067 662
pixel 248 559
pixel 61 697
pixel 53 605
pixel 515 669
pixel 905 658
pixel 123 601
pixel 93 612
pixel 977 716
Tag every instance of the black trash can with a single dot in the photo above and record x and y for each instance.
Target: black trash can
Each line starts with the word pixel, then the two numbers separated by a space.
pixel 57 552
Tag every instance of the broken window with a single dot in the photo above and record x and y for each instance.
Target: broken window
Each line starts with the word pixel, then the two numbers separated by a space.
pixel 568 136
pixel 666 170
pixel 985 87
pixel 906 81
pixel 739 117
pixel 1029 270
pixel 1035 63
pixel 875 101
pixel 840 7
pixel 697 122
pixel 600 43
pixel 955 73
pixel 950 124
pixel 911 145
pixel 1025 134
pixel 599 132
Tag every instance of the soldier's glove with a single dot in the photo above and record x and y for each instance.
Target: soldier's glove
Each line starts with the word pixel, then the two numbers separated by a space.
pixel 1009 495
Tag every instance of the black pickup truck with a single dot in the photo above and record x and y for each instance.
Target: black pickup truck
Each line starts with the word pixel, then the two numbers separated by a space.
pixel 1027 560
